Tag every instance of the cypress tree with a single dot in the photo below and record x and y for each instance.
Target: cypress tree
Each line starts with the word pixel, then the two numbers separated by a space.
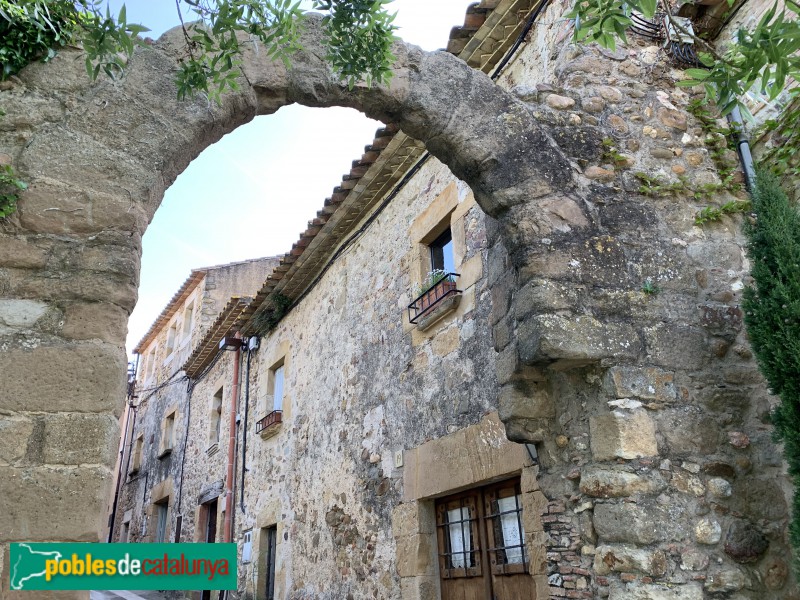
pixel 772 317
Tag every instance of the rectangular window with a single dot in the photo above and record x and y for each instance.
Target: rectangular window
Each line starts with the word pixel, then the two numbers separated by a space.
pixel 167 434
pixel 125 533
pixel 481 542
pixel 216 417
pixel 136 459
pixel 188 320
pixel 247 546
pixel 459 543
pixel 442 252
pixel 171 335
pixel 506 536
pixel 162 508
pixel 277 388
pixel 271 543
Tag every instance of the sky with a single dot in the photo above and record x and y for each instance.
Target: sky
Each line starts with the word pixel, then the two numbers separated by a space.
pixel 252 193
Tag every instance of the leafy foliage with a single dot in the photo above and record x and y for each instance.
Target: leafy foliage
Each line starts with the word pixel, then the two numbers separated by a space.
pixel 432 279
pixel 715 213
pixel 358 38
pixel 10 186
pixel 37 29
pixel 782 156
pixel 772 315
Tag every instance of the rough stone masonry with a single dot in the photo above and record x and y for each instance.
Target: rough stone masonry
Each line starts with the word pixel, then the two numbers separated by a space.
pixel 648 409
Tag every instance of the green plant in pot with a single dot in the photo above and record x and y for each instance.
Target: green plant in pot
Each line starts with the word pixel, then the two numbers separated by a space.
pixel 437 284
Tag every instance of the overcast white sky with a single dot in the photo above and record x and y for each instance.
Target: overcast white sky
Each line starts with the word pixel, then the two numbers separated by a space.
pixel 252 193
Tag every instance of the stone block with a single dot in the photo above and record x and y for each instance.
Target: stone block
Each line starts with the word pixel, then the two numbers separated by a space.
pixel 18 253
pixel 676 346
pixel 97 320
pixel 625 523
pixel 15 432
pixel 446 342
pixel 626 559
pixel 74 377
pixel 687 591
pixel 477 453
pixel 21 314
pixel 507 364
pixel 689 430
pixel 51 503
pixel 419 588
pixel 622 435
pixel 727 580
pixel 71 439
pixel 534 505
pixel 544 296
pixel 414 555
pixel 411 518
pixel 79 285
pixel 578 339
pixel 616 483
pixel 647 383
pixel 525 400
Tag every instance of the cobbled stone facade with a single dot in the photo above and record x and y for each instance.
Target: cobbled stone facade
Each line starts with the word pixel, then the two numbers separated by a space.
pixel 596 353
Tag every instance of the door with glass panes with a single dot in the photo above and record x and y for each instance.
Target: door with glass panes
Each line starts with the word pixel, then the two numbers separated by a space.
pixel 481 545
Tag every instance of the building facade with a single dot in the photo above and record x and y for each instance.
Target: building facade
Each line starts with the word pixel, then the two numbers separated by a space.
pixel 372 453
pixel 438 392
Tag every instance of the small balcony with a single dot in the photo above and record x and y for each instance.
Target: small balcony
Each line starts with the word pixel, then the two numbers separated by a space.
pixel 438 295
pixel 269 425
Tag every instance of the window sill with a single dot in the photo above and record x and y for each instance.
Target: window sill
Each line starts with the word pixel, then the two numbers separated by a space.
pixel 444 308
pixel 270 431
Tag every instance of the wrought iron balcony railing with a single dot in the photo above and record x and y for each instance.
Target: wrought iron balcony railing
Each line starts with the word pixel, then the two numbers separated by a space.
pixel 428 300
pixel 273 418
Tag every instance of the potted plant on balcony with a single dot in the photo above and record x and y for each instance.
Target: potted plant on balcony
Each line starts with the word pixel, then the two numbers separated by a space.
pixel 437 285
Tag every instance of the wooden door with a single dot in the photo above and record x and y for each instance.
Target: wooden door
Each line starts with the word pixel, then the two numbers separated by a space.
pixel 481 545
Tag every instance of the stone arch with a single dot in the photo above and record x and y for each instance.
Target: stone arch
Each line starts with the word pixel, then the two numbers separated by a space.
pixel 99 157
pixel 571 340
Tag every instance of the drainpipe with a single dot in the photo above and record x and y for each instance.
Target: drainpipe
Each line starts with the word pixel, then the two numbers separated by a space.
pixel 244 428
pixel 743 148
pixel 230 503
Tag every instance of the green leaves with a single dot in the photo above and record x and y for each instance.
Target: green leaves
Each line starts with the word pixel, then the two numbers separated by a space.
pixel 358 37
pixel 10 186
pixel 36 29
pixel 772 315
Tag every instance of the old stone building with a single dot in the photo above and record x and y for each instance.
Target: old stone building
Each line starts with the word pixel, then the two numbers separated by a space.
pixel 579 416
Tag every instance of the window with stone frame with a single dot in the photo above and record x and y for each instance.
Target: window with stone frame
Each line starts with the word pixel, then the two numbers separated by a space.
pixel 215 424
pixel 136 458
pixel 188 320
pixel 167 434
pixel 172 335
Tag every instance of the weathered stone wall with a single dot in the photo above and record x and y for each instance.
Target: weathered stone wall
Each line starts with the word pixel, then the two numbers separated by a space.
pixel 361 385
pixel 616 321
pixel 622 352
pixel 166 389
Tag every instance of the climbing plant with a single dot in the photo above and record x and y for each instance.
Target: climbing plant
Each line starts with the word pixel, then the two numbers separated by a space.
pixel 772 315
